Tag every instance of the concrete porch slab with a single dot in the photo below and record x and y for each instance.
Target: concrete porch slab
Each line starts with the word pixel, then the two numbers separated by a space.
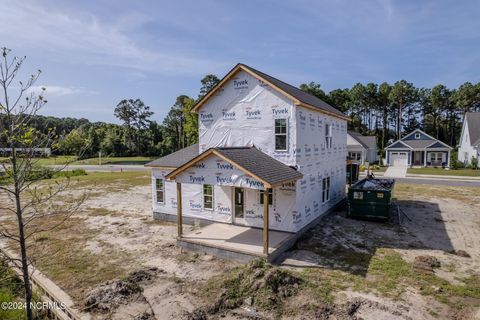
pixel 236 242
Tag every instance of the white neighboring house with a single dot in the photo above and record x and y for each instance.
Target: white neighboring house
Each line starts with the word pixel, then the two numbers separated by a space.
pixel 256 134
pixel 470 139
pixel 418 149
pixel 361 148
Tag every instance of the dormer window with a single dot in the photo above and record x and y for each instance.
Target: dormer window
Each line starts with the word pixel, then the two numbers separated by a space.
pixel 417 136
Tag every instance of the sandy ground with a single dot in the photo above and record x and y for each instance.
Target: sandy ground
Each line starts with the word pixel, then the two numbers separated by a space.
pixel 122 222
pixel 435 227
pixel 129 228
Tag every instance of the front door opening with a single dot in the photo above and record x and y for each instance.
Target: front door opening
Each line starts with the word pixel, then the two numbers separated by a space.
pixel 239 199
pixel 418 161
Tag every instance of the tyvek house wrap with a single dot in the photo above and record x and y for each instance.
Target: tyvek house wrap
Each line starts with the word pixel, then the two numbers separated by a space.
pixel 242 113
pixel 316 162
pixel 192 196
pixel 222 174
pixel 280 216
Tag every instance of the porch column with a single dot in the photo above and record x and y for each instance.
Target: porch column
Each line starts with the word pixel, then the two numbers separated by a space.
pixel 265 221
pixel 425 158
pixel 179 209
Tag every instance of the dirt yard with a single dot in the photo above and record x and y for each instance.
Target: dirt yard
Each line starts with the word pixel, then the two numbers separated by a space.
pixel 117 263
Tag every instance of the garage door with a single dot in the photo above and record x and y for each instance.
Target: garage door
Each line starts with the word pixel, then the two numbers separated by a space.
pixel 399 159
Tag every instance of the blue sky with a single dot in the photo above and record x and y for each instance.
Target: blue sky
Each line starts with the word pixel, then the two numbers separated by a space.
pixel 94 53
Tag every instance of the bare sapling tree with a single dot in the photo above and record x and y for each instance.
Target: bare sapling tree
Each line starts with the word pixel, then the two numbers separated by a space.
pixel 29 203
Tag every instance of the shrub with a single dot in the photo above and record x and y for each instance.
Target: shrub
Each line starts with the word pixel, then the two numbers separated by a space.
pixel 73 173
pixel 456 165
pixel 40 173
pixel 474 162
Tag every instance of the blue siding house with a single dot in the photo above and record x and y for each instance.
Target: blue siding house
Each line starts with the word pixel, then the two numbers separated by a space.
pixel 418 149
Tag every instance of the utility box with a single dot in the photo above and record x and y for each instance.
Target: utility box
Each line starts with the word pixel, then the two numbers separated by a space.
pixel 371 199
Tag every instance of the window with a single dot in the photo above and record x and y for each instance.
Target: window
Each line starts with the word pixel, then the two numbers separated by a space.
pixel 355 155
pixel 417 135
pixel 160 190
pixel 326 189
pixel 281 134
pixel 208 196
pixel 270 196
pixel 328 136
pixel 436 156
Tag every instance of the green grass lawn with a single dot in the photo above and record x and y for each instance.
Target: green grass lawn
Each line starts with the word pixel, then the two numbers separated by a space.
pixel 443 172
pixel 60 160
pixel 116 160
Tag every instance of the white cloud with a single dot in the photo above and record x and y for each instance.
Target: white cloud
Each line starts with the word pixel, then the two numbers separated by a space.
pixel 59 91
pixel 82 37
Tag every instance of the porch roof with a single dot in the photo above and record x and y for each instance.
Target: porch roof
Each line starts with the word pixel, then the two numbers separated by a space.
pixel 173 160
pixel 251 161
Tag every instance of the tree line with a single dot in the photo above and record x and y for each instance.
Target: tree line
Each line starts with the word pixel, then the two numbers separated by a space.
pixel 137 135
pixel 385 110
pixel 389 111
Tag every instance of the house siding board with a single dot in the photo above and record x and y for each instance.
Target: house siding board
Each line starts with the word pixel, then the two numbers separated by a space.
pixel 467 148
pixel 412 137
pixel 316 162
pixel 242 113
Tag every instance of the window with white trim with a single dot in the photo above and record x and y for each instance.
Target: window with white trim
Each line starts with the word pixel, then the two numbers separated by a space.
pixel 355 155
pixel 325 189
pixel 270 196
pixel 208 196
pixel 160 190
pixel 328 136
pixel 417 135
pixel 281 129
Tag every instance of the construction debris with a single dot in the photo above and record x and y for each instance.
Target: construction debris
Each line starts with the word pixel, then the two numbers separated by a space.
pixel 110 294
pixel 375 184
pixel 426 263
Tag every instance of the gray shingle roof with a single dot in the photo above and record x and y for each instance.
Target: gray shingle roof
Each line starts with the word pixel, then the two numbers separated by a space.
pixel 297 93
pixel 473 120
pixel 176 159
pixel 368 142
pixel 260 164
pixel 418 144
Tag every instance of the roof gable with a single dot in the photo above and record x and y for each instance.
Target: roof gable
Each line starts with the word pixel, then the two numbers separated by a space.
pixel 368 142
pixel 438 144
pixel 418 135
pixel 398 145
pixel 253 163
pixel 295 94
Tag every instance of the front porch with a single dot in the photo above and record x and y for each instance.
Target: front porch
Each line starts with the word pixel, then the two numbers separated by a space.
pixel 236 242
pixel 430 158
